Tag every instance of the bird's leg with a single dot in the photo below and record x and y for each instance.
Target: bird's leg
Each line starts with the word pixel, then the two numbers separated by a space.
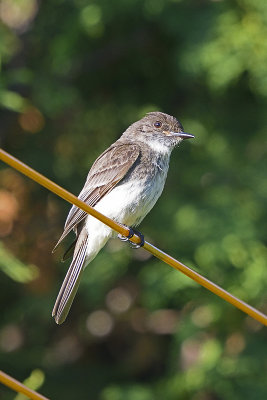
pixel 130 235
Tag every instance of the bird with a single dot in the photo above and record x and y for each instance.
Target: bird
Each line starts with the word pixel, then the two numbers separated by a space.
pixel 124 184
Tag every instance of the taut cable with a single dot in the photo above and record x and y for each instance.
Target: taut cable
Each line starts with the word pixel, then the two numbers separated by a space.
pixel 53 187
pixel 19 387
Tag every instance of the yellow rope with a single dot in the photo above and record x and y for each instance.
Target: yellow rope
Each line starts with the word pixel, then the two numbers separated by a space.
pixel 53 187
pixel 19 387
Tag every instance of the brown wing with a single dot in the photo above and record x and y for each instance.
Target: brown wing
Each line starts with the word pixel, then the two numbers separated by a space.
pixel 108 169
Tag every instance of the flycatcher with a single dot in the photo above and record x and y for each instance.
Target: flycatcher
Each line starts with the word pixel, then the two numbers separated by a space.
pixel 124 183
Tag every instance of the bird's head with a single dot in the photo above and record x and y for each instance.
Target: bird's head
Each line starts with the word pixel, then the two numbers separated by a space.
pixel 158 129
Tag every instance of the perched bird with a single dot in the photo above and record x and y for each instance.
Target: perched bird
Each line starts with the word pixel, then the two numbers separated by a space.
pixel 124 183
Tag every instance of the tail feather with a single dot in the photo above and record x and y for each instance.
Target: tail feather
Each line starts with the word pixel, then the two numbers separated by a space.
pixel 71 282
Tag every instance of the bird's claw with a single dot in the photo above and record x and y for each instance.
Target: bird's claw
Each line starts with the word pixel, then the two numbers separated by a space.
pixel 129 236
pixel 131 233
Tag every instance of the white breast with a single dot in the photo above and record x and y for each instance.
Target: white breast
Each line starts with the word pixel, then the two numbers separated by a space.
pixel 128 203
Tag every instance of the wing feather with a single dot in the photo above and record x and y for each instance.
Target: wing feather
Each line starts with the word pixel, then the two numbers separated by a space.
pixel 106 172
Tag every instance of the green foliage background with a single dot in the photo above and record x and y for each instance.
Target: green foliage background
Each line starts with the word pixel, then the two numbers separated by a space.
pixel 74 75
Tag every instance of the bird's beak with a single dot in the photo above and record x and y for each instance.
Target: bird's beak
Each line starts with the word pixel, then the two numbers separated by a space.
pixel 182 135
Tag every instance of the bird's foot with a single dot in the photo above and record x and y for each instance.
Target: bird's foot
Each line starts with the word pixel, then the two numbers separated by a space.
pixel 130 235
pixel 141 237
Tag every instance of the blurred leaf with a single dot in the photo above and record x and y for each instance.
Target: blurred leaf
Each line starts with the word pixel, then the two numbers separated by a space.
pixel 12 101
pixel 15 269
pixel 34 382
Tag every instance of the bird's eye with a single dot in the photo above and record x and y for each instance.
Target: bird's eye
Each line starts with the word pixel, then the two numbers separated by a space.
pixel 157 124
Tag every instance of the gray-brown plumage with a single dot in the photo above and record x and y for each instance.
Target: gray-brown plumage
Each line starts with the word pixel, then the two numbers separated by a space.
pixel 124 183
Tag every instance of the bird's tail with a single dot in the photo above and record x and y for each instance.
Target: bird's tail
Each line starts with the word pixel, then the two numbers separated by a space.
pixel 71 282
